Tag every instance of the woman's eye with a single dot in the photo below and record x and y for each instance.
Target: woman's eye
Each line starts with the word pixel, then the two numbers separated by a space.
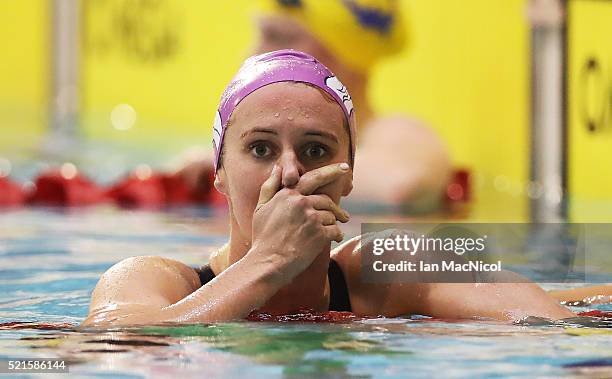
pixel 260 150
pixel 315 152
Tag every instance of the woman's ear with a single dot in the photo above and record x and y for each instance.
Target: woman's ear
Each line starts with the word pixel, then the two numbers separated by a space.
pixel 220 181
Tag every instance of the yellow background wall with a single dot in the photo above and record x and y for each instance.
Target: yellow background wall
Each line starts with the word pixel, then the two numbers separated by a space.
pixel 23 72
pixel 590 153
pixel 466 74
pixel 169 60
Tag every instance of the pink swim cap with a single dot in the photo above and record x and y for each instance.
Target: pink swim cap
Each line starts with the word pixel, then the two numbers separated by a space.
pixel 279 66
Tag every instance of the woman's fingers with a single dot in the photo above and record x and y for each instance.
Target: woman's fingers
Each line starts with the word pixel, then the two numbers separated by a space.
pixel 312 180
pixel 333 233
pixel 270 187
pixel 326 217
pixel 325 203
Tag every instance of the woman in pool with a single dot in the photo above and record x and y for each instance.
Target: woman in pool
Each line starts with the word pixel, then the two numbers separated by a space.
pixel 284 145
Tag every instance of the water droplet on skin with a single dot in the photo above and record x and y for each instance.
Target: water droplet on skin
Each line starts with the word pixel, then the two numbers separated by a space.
pixel 307 115
pixel 290 118
pixel 276 114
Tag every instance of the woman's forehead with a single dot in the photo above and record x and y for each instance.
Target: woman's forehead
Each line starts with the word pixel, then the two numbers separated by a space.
pixel 287 103
pixel 289 92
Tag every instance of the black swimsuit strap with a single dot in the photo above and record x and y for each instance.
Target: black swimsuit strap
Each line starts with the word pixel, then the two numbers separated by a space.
pixel 205 273
pixel 339 299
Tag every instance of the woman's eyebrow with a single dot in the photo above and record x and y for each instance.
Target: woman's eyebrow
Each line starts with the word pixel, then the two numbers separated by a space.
pixel 258 130
pixel 323 134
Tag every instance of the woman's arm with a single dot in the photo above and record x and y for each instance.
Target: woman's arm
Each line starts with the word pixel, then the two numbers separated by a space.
pixel 153 290
pixel 500 301
pixel 514 299
pixel 593 294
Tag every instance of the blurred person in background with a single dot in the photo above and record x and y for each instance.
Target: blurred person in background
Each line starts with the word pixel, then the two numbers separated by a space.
pixel 351 37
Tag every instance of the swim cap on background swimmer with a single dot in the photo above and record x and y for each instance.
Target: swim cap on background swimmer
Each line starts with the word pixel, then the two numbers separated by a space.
pixel 359 32
pixel 279 66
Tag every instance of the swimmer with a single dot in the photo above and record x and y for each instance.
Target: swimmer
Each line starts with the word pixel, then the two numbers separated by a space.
pixel 284 142
pixel 351 38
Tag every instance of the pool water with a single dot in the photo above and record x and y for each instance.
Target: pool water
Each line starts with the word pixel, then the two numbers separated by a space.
pixel 50 260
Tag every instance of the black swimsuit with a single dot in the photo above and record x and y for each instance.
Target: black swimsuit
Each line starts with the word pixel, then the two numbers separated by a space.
pixel 338 291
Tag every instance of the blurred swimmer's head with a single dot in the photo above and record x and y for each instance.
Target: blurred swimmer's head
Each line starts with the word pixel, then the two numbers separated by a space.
pixel 358 32
pixel 286 109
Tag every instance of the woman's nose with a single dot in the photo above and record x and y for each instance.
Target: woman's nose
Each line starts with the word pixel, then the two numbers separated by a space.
pixel 292 169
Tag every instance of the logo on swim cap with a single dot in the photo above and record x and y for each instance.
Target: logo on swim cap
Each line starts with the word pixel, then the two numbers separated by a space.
pixel 340 90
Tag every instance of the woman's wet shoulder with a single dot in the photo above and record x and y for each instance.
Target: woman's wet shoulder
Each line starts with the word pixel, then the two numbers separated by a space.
pixel 146 265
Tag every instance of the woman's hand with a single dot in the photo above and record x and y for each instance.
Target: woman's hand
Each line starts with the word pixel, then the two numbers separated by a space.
pixel 295 225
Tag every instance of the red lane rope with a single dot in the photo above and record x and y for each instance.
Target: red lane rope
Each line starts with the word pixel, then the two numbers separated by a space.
pixel 57 188
pixel 596 313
